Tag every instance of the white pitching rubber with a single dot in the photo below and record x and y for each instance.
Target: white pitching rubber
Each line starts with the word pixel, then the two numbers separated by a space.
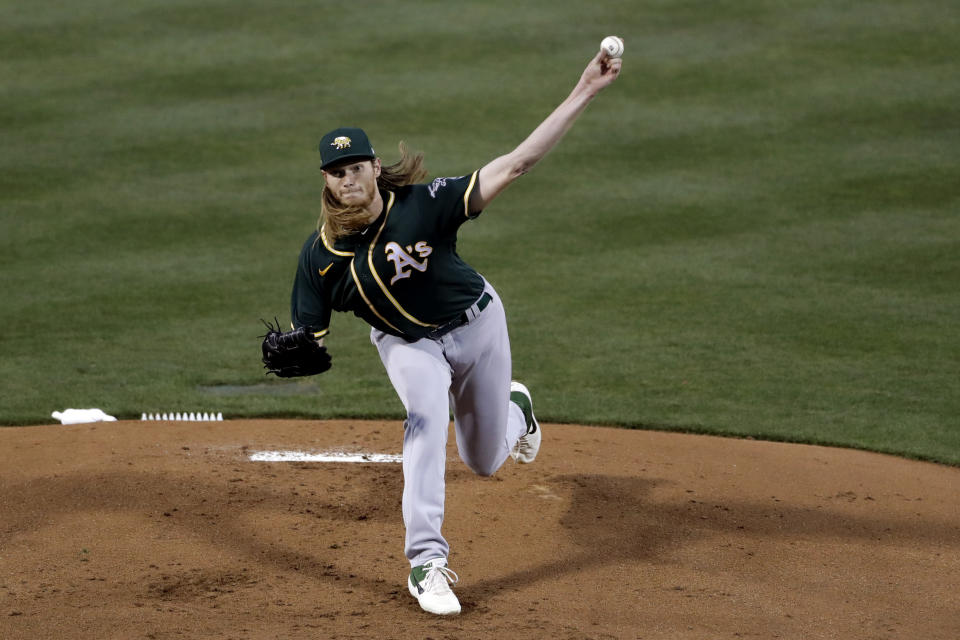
pixel 193 416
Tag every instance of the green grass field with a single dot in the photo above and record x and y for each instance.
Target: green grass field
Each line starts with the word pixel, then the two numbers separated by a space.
pixel 754 232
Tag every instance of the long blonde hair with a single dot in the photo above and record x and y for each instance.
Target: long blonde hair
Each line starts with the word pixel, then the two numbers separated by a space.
pixel 337 220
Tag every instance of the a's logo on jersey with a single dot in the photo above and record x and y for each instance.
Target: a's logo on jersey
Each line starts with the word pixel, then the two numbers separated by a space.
pixel 341 142
pixel 403 261
pixel 435 186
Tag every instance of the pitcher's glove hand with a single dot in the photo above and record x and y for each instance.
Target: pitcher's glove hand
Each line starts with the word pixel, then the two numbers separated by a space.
pixel 289 354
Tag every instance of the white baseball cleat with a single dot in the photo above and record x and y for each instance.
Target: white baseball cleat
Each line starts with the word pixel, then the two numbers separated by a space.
pixel 529 444
pixel 429 584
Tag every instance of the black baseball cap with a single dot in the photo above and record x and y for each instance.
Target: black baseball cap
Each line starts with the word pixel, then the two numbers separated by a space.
pixel 345 143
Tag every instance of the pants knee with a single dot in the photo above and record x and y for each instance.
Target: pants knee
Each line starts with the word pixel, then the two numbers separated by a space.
pixel 482 468
pixel 422 424
pixel 415 422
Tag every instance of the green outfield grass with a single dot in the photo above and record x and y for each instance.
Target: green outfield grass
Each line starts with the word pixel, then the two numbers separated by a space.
pixel 754 232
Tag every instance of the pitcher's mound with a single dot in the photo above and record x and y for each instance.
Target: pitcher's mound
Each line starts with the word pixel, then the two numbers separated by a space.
pixel 170 530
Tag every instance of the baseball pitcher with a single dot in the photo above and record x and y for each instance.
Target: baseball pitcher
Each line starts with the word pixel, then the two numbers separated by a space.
pixel 386 250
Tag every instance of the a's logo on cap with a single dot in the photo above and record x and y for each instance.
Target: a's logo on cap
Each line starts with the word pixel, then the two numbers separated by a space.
pixel 341 142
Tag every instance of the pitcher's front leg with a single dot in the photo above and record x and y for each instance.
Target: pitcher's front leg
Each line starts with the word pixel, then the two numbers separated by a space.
pixel 421 377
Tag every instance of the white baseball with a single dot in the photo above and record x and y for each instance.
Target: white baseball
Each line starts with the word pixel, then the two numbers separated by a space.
pixel 613 46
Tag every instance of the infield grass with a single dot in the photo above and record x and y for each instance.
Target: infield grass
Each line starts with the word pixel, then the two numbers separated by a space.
pixel 754 232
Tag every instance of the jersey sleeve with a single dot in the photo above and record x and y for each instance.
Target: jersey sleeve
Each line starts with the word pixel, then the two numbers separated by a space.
pixel 451 197
pixel 309 302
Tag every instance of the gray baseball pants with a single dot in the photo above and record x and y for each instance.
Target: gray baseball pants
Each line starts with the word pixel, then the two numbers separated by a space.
pixel 468 370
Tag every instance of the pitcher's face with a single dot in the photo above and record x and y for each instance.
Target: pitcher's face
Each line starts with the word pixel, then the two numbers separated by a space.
pixel 354 183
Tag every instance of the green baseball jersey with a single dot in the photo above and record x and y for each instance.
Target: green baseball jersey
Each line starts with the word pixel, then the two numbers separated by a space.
pixel 402 274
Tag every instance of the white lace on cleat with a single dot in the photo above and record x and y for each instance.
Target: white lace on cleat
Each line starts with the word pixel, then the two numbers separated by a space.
pixel 430 582
pixel 528 445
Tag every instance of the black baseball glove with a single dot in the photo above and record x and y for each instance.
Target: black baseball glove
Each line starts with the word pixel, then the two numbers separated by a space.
pixel 290 354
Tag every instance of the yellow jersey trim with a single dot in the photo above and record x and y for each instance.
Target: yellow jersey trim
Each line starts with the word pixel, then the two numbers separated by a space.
pixel 317 335
pixel 376 277
pixel 466 196
pixel 323 236
pixel 356 280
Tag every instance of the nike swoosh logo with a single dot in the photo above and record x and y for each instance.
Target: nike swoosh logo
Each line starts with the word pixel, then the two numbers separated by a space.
pixel 323 272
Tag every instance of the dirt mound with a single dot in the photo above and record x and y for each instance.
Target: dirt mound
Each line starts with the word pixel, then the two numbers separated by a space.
pixel 169 530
